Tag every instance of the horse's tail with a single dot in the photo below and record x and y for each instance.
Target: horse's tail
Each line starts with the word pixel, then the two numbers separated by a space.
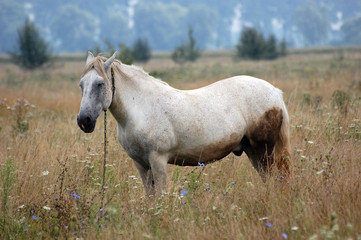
pixel 282 146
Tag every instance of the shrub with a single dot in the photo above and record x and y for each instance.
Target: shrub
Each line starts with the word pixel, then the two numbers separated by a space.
pixel 186 52
pixel 125 54
pixel 252 45
pixel 141 50
pixel 31 50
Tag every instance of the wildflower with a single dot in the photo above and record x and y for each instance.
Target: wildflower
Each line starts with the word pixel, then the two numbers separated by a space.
pixel 105 187
pixel 106 216
pixel 22 206
pixel 268 224
pixel 25 230
pixel 182 202
pixel 34 217
pixel 224 193
pixel 45 173
pixel 39 233
pixel 47 208
pixel 207 188
pixel 294 228
pixel 101 209
pixel 75 232
pixel 201 164
pixel 184 192
pixel 101 225
pixel 284 235
pixel 66 227
pixel 233 183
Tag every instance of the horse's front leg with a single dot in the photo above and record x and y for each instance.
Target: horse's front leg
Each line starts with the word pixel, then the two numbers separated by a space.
pixel 158 163
pixel 147 178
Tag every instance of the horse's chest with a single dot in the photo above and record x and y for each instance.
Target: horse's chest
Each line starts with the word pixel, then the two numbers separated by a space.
pixel 135 146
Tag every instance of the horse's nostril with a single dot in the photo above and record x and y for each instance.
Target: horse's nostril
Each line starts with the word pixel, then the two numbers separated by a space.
pixel 87 120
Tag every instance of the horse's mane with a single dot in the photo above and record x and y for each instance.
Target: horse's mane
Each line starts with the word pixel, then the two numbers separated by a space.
pixel 126 71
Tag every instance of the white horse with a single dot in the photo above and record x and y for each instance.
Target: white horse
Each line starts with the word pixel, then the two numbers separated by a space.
pixel 158 124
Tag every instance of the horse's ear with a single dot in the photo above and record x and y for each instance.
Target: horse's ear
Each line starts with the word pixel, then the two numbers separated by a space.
pixel 90 57
pixel 110 61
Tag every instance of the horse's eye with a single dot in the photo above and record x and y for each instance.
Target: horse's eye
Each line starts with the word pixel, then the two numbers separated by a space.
pixel 100 85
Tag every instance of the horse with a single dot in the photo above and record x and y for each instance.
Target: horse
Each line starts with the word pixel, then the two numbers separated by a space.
pixel 159 125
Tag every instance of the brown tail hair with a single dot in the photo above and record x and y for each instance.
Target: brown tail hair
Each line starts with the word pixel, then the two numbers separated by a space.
pixel 282 147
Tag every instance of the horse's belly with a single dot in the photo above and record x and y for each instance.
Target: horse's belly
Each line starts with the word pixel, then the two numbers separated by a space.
pixel 203 154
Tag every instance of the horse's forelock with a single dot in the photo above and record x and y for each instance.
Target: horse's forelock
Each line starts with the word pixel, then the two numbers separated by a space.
pixel 97 64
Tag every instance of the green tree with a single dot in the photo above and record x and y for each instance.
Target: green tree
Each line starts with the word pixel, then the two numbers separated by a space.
pixel 283 48
pixel 188 51
pixel 141 50
pixel 251 45
pixel 31 50
pixel 271 48
pixel 125 54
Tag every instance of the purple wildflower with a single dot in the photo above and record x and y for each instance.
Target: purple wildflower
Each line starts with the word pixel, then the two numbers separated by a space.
pixel 184 192
pixel 34 217
pixel 268 224
pixel 284 235
pixel 201 164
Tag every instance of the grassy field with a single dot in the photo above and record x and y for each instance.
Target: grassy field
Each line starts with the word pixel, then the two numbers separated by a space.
pixel 51 171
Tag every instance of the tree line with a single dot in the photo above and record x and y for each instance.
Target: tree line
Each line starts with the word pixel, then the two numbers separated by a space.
pixel 32 50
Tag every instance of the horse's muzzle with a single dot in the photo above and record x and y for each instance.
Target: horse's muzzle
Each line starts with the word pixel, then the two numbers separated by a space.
pixel 86 123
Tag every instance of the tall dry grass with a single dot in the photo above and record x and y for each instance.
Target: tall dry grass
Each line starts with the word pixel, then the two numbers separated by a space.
pixel 56 193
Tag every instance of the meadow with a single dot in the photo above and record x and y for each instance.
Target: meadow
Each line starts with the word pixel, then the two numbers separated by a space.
pixel 51 172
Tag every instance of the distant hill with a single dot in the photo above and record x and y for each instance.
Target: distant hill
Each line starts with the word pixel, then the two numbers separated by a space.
pixel 73 26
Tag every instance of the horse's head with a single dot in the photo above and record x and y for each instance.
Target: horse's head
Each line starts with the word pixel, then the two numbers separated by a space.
pixel 96 91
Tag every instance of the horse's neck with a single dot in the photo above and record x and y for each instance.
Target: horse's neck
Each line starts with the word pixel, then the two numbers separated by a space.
pixel 134 95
